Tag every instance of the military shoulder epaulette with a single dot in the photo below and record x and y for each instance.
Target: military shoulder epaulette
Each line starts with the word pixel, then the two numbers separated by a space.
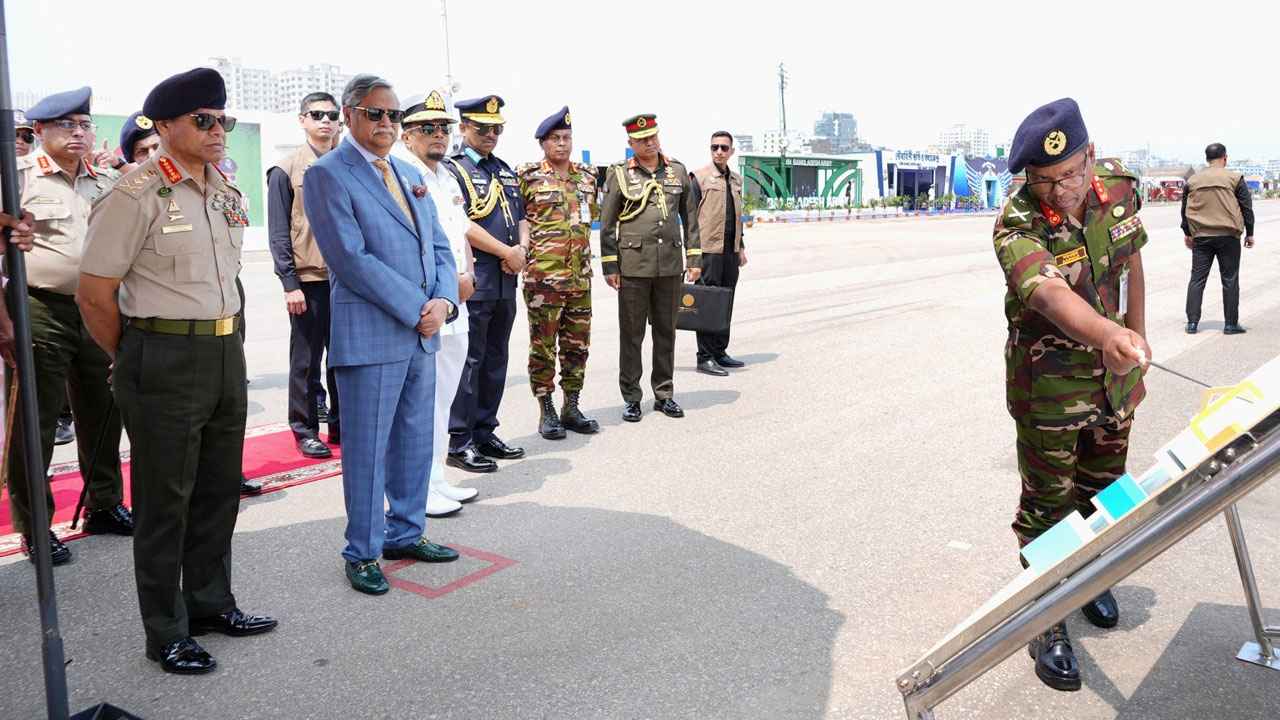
pixel 584 168
pixel 138 180
pixel 1018 212
pixel 1114 168
pixel 528 167
pixel 673 161
pixel 26 161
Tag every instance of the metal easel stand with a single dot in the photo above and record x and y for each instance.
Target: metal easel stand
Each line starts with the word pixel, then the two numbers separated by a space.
pixel 1262 652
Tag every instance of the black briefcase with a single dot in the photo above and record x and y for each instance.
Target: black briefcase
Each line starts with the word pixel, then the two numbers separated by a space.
pixel 704 308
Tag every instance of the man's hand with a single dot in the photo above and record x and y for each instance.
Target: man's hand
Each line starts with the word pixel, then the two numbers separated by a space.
pixel 104 157
pixel 742 257
pixel 433 316
pixel 514 261
pixel 1248 242
pixel 295 302
pixel 22 231
pixel 466 286
pixel 7 346
pixel 693 274
pixel 1186 239
pixel 614 281
pixel 1124 350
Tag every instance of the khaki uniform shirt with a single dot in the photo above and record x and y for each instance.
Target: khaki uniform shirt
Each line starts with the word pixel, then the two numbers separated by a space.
pixel 60 205
pixel 641 219
pixel 175 247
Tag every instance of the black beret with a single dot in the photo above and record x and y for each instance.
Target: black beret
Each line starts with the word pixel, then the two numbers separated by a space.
pixel 71 102
pixel 1049 135
pixel 137 127
pixel 184 93
pixel 558 121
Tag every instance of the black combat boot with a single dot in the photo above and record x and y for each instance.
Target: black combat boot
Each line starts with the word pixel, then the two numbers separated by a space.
pixel 549 425
pixel 573 419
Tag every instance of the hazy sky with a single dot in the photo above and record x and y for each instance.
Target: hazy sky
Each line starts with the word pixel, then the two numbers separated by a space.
pixel 1144 73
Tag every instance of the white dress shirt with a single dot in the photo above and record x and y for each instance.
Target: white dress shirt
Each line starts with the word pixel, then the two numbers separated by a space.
pixel 442 188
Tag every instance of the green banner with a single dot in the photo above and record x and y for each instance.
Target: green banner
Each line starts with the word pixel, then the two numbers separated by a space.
pixel 243 163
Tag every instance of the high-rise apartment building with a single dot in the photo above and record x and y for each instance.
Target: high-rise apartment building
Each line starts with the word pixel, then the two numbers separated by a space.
pixel 251 88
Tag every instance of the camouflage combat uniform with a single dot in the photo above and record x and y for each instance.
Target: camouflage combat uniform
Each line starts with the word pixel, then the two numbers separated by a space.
pixel 1073 415
pixel 557 279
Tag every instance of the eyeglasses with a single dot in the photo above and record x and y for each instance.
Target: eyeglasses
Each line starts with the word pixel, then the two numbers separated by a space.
pixel 488 129
pixel 375 114
pixel 205 121
pixel 1074 181
pixel 27 136
pixel 72 125
pixel 319 115
pixel 722 148
pixel 441 129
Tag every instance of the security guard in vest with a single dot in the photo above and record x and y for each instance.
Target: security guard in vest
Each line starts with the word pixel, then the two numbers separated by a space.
pixel 491 191
pixel 59 187
pixel 158 292
pixel 648 234
pixel 1069 243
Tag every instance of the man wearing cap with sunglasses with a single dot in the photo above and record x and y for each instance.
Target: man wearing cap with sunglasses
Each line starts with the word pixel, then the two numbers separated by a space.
pixel 25 134
pixel 648 234
pixel 58 187
pixel 491 192
pixel 305 277
pixel 158 291
pixel 1069 243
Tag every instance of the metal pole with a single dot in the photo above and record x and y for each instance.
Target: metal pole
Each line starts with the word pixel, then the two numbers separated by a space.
pixel 55 677
pixel 1166 529
pixel 1263 652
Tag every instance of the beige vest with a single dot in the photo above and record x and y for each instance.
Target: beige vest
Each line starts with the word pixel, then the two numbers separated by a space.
pixel 307 259
pixel 711 210
pixel 1212 208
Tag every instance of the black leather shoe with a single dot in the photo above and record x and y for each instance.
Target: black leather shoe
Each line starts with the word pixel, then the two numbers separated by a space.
pixel 1103 611
pixel 183 657
pixel 114 521
pixel 549 426
pixel 726 361
pixel 631 412
pixel 367 577
pixel 668 407
pixel 1233 329
pixel 234 624
pixel 322 412
pixel 1056 664
pixel 312 447
pixel 63 433
pixel 1193 328
pixel 708 367
pixel 470 459
pixel 250 487
pixel 335 434
pixel 495 448
pixel 58 551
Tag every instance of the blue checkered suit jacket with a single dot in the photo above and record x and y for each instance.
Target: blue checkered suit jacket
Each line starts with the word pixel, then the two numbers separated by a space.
pixel 382 268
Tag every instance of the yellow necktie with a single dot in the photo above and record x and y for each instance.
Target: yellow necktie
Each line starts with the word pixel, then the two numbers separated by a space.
pixel 393 187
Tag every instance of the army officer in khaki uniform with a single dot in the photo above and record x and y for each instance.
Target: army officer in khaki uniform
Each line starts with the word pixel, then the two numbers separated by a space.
pixel 162 256
pixel 647 201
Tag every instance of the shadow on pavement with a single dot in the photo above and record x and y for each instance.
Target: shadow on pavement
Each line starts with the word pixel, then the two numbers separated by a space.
pixel 604 615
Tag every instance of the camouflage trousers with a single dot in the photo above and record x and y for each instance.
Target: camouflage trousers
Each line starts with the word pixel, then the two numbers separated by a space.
pixel 1062 471
pixel 560 319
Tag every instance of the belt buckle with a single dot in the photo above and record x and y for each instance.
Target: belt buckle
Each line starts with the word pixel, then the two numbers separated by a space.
pixel 224 326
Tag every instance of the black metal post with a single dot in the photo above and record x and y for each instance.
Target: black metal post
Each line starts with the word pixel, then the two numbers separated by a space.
pixel 55 676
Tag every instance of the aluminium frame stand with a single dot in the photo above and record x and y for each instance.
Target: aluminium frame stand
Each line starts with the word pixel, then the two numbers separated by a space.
pixel 1262 651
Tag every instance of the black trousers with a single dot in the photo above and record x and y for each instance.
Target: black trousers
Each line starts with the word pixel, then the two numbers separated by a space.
pixel 184 402
pixel 474 415
pixel 718 270
pixel 652 300
pixel 308 341
pixel 1203 251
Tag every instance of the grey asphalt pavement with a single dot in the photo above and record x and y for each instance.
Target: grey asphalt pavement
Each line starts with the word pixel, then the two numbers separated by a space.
pixel 818 520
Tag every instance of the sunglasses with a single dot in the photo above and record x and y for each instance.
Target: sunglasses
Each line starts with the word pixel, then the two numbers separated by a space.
pixel 375 114
pixel 319 115
pixel 206 121
pixel 722 148
pixel 483 129
pixel 431 129
pixel 27 136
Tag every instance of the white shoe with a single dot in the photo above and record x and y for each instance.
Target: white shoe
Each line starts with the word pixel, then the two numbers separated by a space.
pixel 440 506
pixel 460 494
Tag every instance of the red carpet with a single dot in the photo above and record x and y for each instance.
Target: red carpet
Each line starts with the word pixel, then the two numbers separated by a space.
pixel 270 457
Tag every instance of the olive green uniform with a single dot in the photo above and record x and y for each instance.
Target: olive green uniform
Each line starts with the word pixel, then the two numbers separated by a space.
pixel 648 231
pixel 179 380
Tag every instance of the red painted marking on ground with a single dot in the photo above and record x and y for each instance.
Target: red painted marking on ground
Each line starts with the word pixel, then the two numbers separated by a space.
pixel 496 563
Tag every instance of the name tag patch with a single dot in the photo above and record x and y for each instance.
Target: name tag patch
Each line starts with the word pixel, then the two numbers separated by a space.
pixel 1126 228
pixel 1070 256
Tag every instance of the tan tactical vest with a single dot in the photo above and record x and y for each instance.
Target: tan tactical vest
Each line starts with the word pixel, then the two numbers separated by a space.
pixel 306 254
pixel 1212 208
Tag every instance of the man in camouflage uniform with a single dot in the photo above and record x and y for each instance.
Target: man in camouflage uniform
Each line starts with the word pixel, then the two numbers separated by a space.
pixel 1069 244
pixel 560 202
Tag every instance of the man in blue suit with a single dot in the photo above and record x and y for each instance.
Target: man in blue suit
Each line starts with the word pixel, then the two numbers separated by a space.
pixel 393 285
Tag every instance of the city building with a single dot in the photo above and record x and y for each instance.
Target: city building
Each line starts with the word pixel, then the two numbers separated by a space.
pixel 966 140
pixel 744 143
pixel 250 88
pixel 836 134
pixel 797 142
